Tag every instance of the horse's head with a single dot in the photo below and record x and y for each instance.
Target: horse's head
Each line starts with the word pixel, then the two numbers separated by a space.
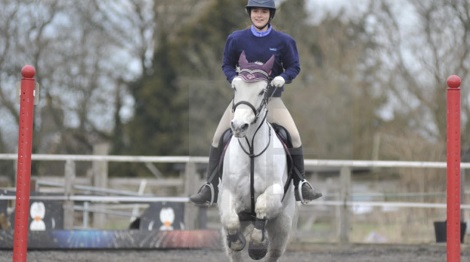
pixel 250 94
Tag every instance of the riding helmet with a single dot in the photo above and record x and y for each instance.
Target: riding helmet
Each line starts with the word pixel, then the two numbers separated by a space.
pixel 263 4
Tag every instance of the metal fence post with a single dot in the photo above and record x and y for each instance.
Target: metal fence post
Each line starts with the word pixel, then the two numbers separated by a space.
pixel 453 168
pixel 23 179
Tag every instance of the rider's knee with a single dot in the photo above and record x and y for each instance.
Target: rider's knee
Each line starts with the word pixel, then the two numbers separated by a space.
pixel 296 142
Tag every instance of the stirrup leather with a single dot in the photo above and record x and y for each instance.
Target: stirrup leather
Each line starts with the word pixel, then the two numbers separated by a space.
pixel 299 191
pixel 211 187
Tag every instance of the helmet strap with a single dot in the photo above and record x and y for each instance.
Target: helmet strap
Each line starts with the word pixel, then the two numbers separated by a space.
pixel 263 27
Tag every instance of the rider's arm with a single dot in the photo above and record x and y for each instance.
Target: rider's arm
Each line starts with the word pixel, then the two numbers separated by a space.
pixel 230 59
pixel 291 62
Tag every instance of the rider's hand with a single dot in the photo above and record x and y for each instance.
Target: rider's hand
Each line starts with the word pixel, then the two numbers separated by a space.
pixel 278 81
pixel 235 81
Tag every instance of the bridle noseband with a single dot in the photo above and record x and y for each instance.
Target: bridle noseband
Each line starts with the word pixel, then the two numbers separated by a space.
pixel 256 111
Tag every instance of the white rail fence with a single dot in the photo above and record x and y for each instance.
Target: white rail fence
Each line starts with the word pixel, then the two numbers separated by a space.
pixel 190 180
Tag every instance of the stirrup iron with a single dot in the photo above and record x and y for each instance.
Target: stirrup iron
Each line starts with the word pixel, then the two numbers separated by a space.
pixel 211 187
pixel 299 191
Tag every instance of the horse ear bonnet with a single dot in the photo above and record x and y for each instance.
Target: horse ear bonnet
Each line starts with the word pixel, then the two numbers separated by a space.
pixel 253 72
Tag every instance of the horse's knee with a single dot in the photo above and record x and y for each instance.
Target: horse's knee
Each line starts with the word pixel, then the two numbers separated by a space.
pixel 231 224
pixel 261 208
pixel 268 208
pixel 269 203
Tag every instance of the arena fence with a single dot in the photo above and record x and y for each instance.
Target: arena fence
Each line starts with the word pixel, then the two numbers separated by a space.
pixel 194 218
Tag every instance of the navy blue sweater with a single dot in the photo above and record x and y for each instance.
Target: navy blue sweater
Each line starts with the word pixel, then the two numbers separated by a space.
pixel 260 48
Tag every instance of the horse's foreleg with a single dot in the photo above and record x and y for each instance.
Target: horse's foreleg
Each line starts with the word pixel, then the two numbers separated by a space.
pixel 268 205
pixel 231 222
pixel 228 215
pixel 279 229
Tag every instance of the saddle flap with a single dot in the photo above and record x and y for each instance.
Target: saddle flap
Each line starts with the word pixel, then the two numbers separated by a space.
pixel 283 134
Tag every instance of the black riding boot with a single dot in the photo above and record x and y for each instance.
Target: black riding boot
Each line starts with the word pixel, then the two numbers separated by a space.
pixel 304 191
pixel 207 194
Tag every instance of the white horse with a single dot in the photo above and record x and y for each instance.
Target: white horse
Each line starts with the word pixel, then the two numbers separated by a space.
pixel 256 199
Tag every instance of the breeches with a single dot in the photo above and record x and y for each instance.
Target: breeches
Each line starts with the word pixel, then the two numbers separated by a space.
pixel 277 114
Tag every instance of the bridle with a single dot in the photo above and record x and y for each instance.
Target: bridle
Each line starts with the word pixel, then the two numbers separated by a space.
pixel 268 94
pixel 256 111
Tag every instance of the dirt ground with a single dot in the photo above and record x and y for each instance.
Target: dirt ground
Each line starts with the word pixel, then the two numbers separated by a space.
pixel 299 253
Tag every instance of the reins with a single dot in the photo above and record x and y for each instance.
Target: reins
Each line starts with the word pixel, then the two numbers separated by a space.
pixel 252 160
pixel 250 152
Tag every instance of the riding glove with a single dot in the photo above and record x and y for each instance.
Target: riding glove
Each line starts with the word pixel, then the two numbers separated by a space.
pixel 278 81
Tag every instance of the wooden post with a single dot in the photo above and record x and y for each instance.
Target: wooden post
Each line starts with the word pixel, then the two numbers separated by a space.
pixel 68 190
pixel 191 181
pixel 344 214
pixel 100 179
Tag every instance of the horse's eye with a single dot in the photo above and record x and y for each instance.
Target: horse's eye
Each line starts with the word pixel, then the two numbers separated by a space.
pixel 262 92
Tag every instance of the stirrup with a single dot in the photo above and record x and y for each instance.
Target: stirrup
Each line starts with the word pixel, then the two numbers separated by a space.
pixel 211 187
pixel 299 191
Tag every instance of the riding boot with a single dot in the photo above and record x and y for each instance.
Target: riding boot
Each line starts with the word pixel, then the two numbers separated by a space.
pixel 207 194
pixel 304 191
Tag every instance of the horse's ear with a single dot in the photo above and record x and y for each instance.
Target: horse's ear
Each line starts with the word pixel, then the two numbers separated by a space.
pixel 269 64
pixel 242 61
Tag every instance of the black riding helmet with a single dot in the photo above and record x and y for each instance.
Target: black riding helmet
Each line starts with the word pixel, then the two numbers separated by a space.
pixel 262 4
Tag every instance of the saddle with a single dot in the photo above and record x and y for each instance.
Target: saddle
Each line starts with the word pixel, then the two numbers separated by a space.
pixel 280 131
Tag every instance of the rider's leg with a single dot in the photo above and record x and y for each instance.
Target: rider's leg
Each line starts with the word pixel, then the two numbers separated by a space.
pixel 304 191
pixel 207 194
pixel 278 113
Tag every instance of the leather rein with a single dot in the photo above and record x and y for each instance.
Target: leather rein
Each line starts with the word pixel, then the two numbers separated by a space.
pixel 250 151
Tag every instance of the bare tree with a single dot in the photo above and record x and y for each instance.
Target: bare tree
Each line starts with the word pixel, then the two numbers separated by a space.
pixel 421 44
pixel 420 55
pixel 83 52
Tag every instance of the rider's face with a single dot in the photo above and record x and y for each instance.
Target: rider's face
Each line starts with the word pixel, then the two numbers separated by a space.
pixel 260 17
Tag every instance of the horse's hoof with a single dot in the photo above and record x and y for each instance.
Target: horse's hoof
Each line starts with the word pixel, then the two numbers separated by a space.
pixel 257 251
pixel 236 242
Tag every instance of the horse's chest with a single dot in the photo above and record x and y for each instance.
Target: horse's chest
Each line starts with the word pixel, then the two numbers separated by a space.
pixel 242 182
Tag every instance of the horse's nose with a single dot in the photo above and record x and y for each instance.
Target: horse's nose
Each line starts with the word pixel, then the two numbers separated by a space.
pixel 239 128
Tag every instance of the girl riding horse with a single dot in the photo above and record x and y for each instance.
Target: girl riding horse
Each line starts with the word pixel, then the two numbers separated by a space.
pixel 260 42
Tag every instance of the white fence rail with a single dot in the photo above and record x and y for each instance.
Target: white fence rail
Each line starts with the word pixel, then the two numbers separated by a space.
pixel 191 181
